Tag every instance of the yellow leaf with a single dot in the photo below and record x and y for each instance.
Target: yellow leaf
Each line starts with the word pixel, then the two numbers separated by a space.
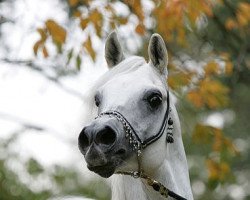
pixel 179 80
pixel 95 16
pixel 202 134
pixel 136 8
pixel 45 52
pixel 211 93
pixel 122 20
pixel 218 140
pixel 73 3
pixel 88 46
pixel 219 171
pixel 228 68
pixel 231 24
pixel 221 143
pixel 97 19
pixel 140 29
pixel 57 32
pixel 243 14
pixel 241 18
pixel 211 68
pixel 231 147
pixel 77 13
pixel 194 97
pixel 84 22
pixel 244 7
pixel 112 24
pixel 213 170
pixel 37 45
pixel 214 93
pixel 42 33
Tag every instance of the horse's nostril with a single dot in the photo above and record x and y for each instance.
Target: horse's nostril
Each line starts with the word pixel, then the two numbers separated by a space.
pixel 121 152
pixel 106 136
pixel 83 139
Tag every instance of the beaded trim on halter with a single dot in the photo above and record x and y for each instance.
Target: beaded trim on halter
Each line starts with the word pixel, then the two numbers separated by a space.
pixel 130 134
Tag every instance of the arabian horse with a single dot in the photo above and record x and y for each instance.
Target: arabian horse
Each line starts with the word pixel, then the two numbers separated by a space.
pixel 134 132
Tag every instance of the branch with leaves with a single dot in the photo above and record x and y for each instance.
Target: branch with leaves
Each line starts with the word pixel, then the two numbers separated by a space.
pixel 209 27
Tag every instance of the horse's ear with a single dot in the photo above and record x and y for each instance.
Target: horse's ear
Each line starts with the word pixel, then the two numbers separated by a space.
pixel 157 52
pixel 113 51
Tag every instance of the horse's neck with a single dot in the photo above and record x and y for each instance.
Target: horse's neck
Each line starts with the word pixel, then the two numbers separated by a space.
pixel 173 173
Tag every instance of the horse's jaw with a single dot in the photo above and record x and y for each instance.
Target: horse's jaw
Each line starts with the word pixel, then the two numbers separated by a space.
pixel 172 173
pixel 126 187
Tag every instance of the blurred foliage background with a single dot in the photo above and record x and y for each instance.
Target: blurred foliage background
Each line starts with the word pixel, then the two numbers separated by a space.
pixel 208 45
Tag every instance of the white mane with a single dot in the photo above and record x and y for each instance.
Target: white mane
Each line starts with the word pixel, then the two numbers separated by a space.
pixel 126 66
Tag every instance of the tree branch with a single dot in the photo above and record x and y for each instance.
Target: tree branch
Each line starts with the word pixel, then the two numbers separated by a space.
pixel 31 126
pixel 31 65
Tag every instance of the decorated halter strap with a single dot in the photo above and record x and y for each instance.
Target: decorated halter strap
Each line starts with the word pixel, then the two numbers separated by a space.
pixel 157 186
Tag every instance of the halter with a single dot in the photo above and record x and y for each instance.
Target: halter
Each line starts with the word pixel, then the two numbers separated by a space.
pixel 138 145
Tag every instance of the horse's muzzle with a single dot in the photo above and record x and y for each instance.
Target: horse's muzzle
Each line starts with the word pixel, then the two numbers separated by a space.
pixel 97 134
pixel 103 145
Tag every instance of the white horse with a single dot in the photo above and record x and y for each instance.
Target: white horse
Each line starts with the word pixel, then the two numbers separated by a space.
pixel 135 136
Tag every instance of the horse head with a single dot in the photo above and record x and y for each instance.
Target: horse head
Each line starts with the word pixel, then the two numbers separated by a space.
pixel 132 94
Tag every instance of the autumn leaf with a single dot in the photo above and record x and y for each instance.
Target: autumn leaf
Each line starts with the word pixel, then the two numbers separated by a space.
pixel 194 97
pixel 228 68
pixel 37 45
pixel 84 22
pixel 41 42
pixel 88 46
pixel 211 93
pixel 77 13
pixel 206 134
pixel 97 19
pixel 179 79
pixel 231 24
pixel 203 134
pixel 57 32
pixel 45 52
pixel 73 3
pixel 222 143
pixel 42 33
pixel 136 8
pixel 218 171
pixel 211 68
pixel 172 16
pixel 122 20
pixel 140 29
pixel 214 93
pixel 243 21
pixel 243 14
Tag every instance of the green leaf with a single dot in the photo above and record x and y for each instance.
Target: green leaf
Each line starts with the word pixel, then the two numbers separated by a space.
pixel 33 167
pixel 78 62
pixel 69 56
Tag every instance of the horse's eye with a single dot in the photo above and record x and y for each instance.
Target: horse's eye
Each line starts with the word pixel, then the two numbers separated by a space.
pixel 154 100
pixel 97 101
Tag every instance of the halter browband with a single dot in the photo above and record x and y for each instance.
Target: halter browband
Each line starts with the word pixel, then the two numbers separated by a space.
pixel 138 145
